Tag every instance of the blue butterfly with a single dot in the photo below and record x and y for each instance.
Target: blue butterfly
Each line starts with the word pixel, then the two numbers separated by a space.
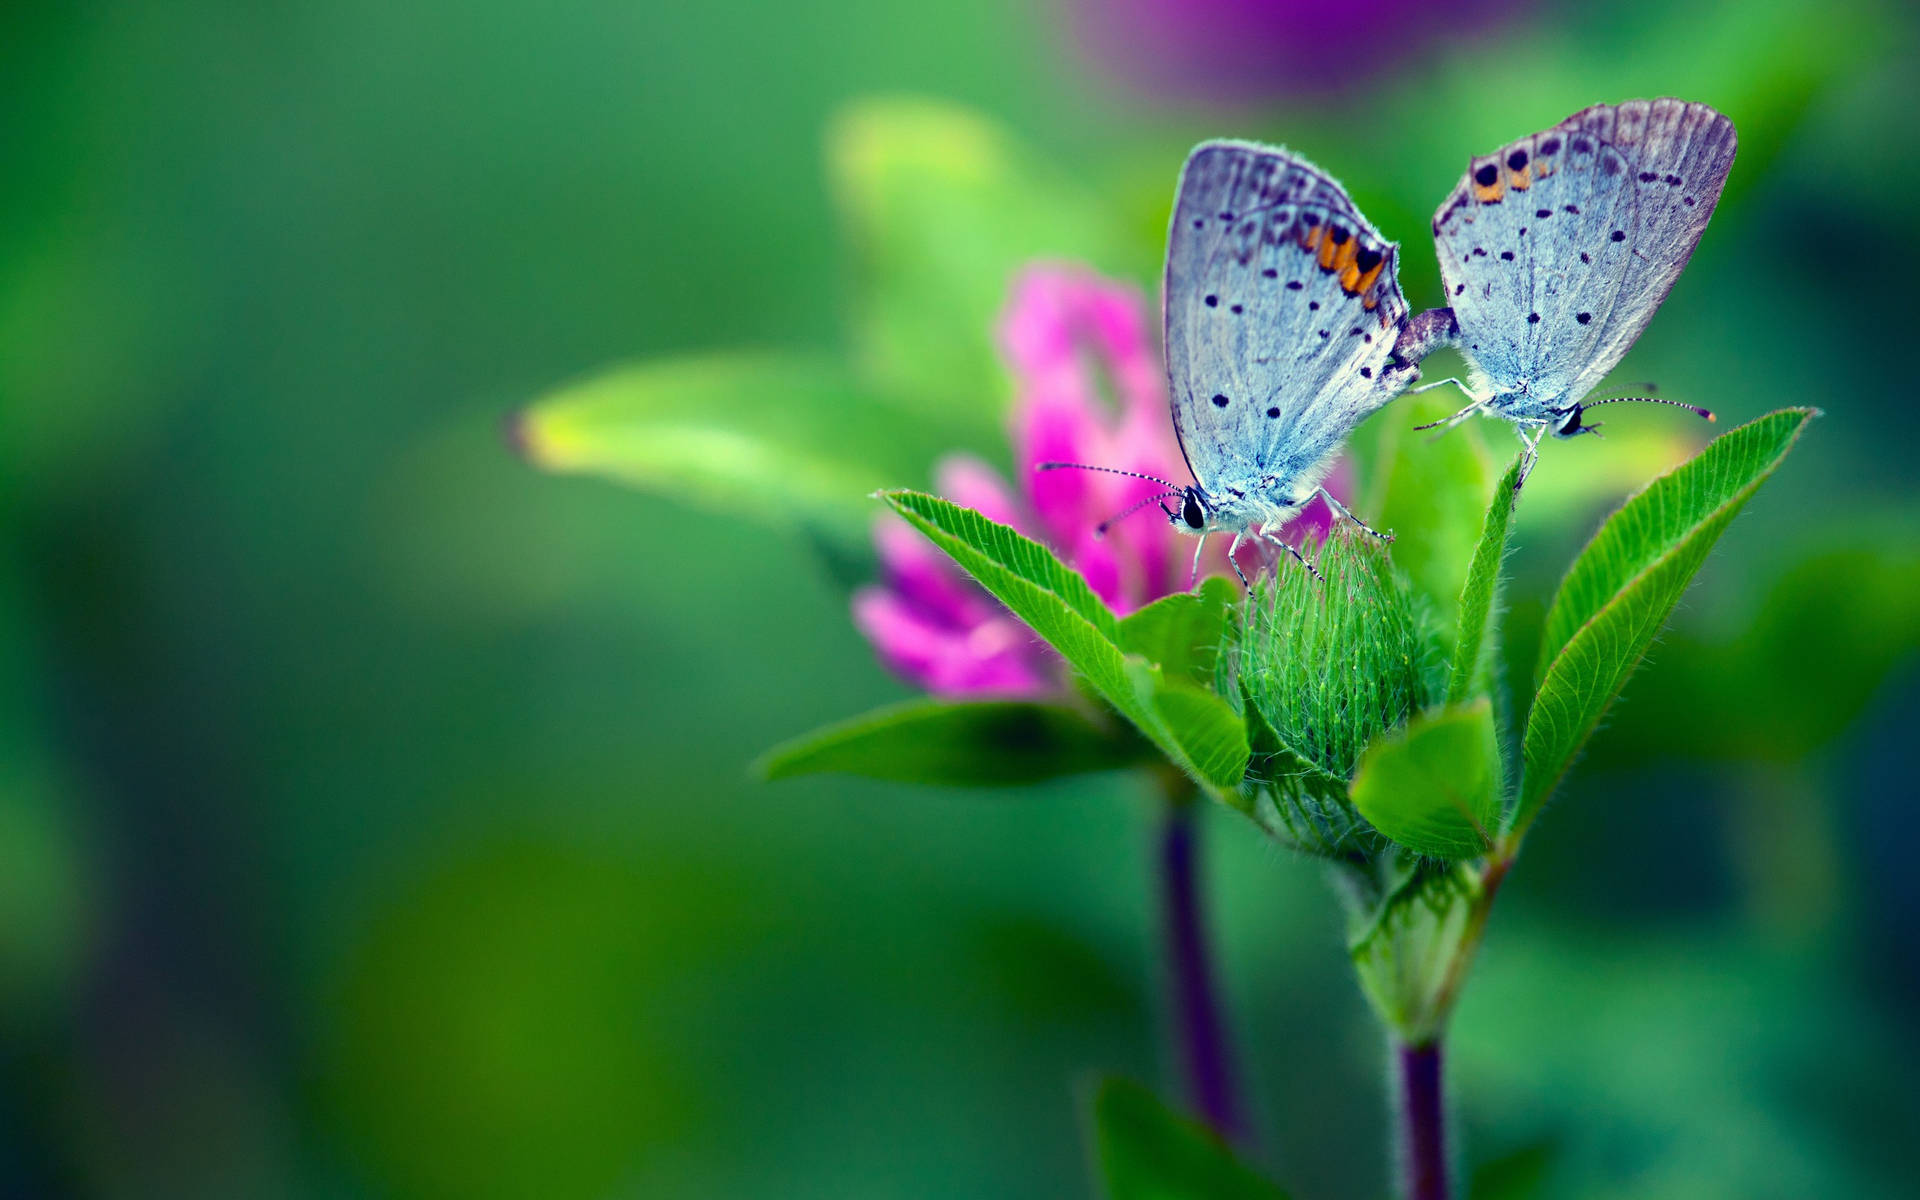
pixel 1283 307
pixel 1557 250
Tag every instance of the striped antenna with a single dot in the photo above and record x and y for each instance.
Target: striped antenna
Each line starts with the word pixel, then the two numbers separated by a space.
pixel 1695 409
pixel 1060 466
pixel 1100 530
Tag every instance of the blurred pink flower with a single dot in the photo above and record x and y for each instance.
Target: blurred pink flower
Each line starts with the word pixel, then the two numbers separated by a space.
pixel 1090 388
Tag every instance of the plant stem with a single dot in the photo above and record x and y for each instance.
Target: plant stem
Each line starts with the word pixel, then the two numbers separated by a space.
pixel 1194 1003
pixel 1423 1134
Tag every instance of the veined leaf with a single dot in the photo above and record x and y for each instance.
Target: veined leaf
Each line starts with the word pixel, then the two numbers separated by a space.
pixel 1196 730
pixel 1434 785
pixel 976 744
pixel 1625 584
pixel 1148 1152
pixel 1478 617
pixel 781 438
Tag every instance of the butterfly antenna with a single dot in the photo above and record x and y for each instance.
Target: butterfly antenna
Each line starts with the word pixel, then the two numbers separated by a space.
pixel 1100 530
pixel 1695 409
pixel 1060 466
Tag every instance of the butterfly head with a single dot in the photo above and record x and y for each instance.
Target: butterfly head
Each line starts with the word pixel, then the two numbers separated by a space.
pixel 1194 514
pixel 1570 424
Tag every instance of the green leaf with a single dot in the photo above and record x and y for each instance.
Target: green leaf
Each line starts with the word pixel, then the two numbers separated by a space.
pixel 1428 491
pixel 1434 785
pixel 981 744
pixel 1149 1152
pixel 1472 650
pixel 780 438
pixel 1196 730
pixel 1409 930
pixel 1625 584
pixel 943 208
pixel 1181 633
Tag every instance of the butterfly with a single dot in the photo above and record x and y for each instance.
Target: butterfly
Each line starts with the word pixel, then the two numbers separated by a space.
pixel 1557 249
pixel 1283 307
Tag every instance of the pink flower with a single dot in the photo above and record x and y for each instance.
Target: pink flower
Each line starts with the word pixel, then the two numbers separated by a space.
pixel 1090 388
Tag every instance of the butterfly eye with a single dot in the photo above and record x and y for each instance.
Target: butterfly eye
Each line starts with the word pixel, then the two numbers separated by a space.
pixel 1191 512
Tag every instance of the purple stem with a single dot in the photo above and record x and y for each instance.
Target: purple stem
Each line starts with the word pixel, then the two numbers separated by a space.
pixel 1204 1056
pixel 1423 1134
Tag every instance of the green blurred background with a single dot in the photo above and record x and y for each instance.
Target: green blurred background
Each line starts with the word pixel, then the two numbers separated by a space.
pixel 374 816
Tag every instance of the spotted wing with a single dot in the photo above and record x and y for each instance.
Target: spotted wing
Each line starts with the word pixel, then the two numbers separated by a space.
pixel 1282 305
pixel 1557 249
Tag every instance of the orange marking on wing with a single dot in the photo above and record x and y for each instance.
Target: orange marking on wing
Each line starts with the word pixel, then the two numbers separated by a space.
pixel 1520 180
pixel 1344 258
pixel 1328 251
pixel 1364 282
pixel 1488 193
pixel 1311 240
pixel 1350 278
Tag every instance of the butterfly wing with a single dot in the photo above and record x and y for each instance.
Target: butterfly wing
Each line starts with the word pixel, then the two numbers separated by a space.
pixel 1282 304
pixel 1557 249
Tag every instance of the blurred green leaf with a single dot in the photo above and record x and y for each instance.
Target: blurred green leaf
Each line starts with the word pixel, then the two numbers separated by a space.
pixel 943 208
pixel 1829 631
pixel 1149 1152
pixel 1181 633
pixel 1427 490
pixel 1479 619
pixel 782 438
pixel 1433 785
pixel 983 744
pixel 1196 730
pixel 1516 1175
pixel 1624 585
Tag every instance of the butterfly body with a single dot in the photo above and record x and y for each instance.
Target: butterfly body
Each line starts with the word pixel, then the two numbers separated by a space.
pixel 1557 249
pixel 1282 310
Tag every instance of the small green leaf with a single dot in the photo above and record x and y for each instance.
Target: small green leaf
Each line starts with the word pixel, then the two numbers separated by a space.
pixel 782 438
pixel 1434 785
pixel 1211 736
pixel 1407 936
pixel 1181 633
pixel 1479 619
pixel 980 744
pixel 942 209
pixel 1622 588
pixel 1149 1152
pixel 1196 730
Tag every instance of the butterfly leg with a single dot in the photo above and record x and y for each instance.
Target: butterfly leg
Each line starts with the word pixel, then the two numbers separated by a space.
pixel 1193 577
pixel 1446 423
pixel 1297 556
pixel 1531 455
pixel 1438 383
pixel 1235 563
pixel 1341 509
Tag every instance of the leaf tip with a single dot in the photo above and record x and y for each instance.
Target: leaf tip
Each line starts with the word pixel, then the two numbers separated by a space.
pixel 518 432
